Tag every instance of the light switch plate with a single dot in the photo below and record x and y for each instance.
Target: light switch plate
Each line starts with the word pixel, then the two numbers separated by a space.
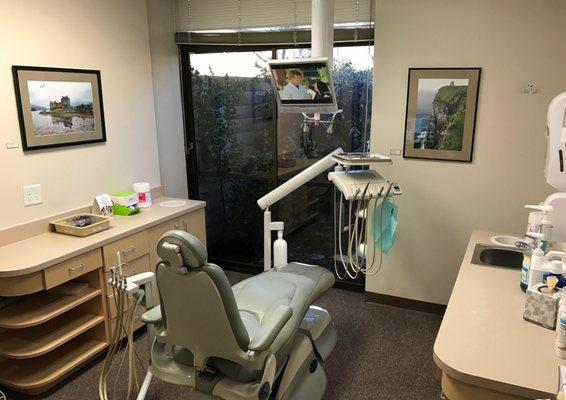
pixel 32 194
pixel 394 152
pixel 12 145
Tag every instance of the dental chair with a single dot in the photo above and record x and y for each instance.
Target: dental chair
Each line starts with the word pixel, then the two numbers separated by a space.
pixel 260 339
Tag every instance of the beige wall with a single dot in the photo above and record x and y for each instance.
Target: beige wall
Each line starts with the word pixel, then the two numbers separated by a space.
pixel 167 94
pixel 515 42
pixel 111 36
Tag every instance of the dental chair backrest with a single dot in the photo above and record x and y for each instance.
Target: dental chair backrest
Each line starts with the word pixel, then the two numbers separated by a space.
pixel 198 307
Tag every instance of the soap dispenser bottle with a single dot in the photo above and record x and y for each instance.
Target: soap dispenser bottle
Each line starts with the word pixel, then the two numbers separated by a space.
pixel 535 270
pixel 546 224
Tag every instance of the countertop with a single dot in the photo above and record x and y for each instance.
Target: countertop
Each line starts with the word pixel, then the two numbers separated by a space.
pixel 483 339
pixel 42 251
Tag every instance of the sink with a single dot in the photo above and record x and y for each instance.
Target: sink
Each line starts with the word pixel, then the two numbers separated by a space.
pixel 497 256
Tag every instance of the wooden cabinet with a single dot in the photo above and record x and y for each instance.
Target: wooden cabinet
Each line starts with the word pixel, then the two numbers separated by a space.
pixel 72 268
pixel 195 224
pixel 49 333
pixel 130 248
pixel 131 268
pixel 46 335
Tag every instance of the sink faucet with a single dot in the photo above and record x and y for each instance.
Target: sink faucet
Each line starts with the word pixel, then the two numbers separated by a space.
pixel 523 245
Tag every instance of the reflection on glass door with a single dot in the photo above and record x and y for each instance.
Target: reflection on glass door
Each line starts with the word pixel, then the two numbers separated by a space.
pixel 235 148
pixel 308 213
pixel 244 149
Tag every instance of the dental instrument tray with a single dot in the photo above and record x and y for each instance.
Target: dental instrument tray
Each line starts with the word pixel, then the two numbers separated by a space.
pixel 354 159
pixel 81 224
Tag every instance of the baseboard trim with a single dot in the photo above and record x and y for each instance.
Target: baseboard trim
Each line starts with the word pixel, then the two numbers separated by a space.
pixel 401 302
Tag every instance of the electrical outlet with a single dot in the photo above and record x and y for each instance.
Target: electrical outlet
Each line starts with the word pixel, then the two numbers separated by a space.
pixel 32 195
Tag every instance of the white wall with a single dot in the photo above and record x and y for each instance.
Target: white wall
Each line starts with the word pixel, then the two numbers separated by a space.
pixel 167 93
pixel 111 36
pixel 515 42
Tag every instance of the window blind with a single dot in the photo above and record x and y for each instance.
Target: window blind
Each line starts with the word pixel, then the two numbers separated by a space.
pixel 246 15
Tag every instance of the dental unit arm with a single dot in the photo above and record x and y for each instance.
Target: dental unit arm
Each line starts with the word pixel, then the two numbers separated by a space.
pixel 360 186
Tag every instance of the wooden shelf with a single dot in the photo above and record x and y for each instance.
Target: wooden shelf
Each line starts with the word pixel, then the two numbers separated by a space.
pixel 33 377
pixel 38 340
pixel 41 307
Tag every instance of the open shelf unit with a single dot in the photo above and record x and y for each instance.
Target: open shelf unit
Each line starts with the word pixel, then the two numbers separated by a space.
pixel 41 307
pixel 48 369
pixel 45 336
pixel 41 339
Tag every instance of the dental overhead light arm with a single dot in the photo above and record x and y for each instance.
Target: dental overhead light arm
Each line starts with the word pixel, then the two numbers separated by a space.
pixel 286 188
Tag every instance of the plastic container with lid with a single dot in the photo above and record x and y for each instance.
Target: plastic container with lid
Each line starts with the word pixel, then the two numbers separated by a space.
pixel 144 193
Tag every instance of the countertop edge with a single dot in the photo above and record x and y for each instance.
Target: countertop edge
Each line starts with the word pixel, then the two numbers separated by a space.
pixel 81 250
pixel 486 383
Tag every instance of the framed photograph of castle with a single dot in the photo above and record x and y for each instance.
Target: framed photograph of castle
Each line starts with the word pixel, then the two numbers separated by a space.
pixel 441 113
pixel 58 106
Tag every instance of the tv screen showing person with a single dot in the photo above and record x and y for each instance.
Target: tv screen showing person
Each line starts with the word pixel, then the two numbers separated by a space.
pixel 302 83
pixel 295 89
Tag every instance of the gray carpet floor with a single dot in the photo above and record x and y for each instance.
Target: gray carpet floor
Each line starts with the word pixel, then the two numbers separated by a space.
pixel 383 353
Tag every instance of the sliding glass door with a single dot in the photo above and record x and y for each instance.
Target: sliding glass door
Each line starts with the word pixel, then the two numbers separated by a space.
pixel 241 149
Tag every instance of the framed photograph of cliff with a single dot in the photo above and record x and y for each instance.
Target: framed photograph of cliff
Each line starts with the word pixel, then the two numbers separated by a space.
pixel 441 113
pixel 58 107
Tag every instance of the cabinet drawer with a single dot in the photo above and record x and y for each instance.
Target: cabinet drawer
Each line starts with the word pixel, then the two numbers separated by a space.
pixel 137 266
pixel 155 234
pixel 72 268
pixel 194 223
pixel 130 248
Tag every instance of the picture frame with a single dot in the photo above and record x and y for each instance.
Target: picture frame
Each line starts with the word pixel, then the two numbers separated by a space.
pixel 58 106
pixel 440 114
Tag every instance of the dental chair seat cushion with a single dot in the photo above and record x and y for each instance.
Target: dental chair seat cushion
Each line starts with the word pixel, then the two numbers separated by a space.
pixel 294 285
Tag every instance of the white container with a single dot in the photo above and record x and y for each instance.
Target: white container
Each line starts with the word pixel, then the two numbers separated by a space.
pixel 560 341
pixel 537 267
pixel 144 194
pixel 279 251
pixel 534 222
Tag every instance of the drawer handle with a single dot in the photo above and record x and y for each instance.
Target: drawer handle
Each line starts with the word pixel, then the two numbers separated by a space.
pixel 186 226
pixel 78 267
pixel 130 249
pixel 175 226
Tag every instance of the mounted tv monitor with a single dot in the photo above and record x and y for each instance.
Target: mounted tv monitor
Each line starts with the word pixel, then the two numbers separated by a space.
pixel 303 85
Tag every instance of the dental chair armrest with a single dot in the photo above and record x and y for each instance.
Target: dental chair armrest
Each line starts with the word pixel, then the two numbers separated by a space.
pixel 153 316
pixel 265 336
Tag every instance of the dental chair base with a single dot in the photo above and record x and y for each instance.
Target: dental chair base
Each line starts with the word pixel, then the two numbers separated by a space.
pixel 303 375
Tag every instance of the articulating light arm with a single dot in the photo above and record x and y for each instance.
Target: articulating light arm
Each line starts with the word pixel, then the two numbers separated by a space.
pixel 286 188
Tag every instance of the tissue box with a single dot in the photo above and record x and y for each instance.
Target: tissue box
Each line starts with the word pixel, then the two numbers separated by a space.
pixel 125 203
pixel 540 307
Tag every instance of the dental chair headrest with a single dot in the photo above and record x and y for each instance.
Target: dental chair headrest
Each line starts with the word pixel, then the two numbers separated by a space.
pixel 181 249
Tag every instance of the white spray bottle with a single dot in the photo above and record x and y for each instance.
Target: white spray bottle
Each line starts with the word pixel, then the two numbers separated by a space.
pixel 546 224
pixel 280 250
